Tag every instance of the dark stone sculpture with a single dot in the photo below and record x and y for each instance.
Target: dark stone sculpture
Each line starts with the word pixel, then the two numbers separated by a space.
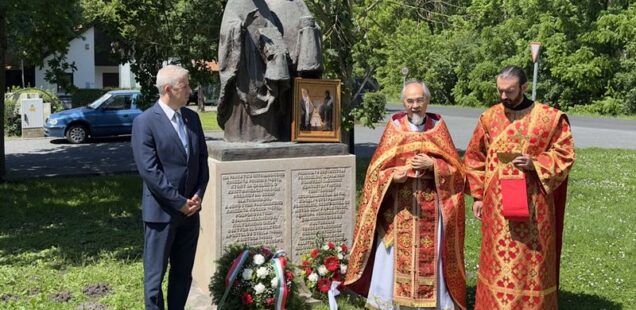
pixel 263 46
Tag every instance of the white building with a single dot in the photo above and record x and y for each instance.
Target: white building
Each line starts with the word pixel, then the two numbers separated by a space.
pixel 94 68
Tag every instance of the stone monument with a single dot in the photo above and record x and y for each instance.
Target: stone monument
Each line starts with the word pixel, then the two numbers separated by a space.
pixel 264 190
pixel 263 46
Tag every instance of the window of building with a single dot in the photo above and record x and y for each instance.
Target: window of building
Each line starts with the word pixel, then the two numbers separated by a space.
pixel 68 77
pixel 110 80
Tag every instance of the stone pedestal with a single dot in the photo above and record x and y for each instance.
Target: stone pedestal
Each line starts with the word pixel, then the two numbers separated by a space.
pixel 274 194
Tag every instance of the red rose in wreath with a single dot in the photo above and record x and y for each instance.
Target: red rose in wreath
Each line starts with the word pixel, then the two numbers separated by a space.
pixel 332 263
pixel 324 285
pixel 247 298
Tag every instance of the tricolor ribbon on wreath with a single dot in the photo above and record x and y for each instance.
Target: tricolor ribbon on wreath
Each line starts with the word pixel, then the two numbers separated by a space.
pixel 232 274
pixel 279 262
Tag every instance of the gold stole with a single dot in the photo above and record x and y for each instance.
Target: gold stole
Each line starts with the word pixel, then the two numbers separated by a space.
pixel 412 218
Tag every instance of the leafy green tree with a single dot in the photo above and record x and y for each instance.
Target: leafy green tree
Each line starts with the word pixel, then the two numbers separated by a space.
pixel 3 48
pixel 385 40
pixel 34 28
pixel 151 32
pixel 340 33
pixel 614 39
pixel 587 53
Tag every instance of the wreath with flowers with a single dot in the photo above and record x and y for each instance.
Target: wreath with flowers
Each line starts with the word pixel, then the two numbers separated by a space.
pixel 254 278
pixel 324 264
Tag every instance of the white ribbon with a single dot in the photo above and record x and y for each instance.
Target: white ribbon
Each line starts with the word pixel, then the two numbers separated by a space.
pixel 333 292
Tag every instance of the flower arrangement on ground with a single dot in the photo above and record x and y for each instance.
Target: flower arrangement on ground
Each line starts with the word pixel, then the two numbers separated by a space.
pixel 324 264
pixel 254 278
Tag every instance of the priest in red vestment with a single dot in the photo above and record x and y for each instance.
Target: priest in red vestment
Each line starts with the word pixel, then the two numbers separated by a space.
pixel 517 165
pixel 408 245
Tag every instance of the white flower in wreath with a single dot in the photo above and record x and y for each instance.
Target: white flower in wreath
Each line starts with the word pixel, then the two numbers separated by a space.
pixel 259 288
pixel 247 274
pixel 339 248
pixel 325 247
pixel 340 256
pixel 343 268
pixel 259 259
pixel 313 277
pixel 262 272
pixel 322 270
pixel 274 282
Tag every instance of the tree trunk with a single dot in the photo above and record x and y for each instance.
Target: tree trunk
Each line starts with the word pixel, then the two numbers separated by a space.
pixel 346 67
pixel 346 42
pixel 3 48
pixel 200 102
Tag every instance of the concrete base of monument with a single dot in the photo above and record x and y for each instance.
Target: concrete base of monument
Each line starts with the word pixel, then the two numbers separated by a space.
pixel 274 199
pixel 199 299
pixel 225 151
pixel 305 294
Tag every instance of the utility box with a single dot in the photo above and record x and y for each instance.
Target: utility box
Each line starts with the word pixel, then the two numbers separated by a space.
pixel 32 113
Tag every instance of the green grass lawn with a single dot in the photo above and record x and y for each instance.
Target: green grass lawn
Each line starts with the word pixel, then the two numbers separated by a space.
pixel 208 120
pixel 80 239
pixel 599 250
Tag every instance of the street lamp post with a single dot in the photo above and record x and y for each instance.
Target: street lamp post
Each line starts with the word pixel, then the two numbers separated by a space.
pixel 535 47
pixel 405 72
pixel 22 71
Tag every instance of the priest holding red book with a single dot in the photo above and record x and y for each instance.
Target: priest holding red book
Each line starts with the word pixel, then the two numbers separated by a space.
pixel 517 165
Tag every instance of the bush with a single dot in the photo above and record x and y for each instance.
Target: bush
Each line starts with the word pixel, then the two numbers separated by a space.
pixel 12 118
pixel 12 122
pixel 82 97
pixel 371 111
pixel 628 99
pixel 606 106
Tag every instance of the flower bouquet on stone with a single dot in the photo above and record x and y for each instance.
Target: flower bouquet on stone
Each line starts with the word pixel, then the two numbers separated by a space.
pixel 324 264
pixel 254 278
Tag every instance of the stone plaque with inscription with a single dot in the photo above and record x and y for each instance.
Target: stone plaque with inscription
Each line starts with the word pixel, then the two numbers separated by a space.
pixel 253 208
pixel 321 205
pixel 280 202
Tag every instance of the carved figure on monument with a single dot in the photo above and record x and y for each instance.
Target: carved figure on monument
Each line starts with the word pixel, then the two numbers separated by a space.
pixel 263 46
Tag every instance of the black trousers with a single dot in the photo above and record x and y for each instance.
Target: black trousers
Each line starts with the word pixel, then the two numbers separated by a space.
pixel 174 242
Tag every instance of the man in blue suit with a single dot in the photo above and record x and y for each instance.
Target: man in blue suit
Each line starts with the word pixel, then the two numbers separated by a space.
pixel 171 156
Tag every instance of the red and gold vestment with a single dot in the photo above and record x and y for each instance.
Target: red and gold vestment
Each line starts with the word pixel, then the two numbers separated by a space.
pixel 519 260
pixel 406 215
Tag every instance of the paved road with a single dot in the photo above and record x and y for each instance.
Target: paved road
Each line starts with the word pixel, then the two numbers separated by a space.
pixel 587 131
pixel 46 157
pixel 41 157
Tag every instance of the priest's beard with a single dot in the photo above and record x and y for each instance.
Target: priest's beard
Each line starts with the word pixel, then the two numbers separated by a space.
pixel 512 103
pixel 416 119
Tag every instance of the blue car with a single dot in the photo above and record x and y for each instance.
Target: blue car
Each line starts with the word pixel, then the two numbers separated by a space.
pixel 110 115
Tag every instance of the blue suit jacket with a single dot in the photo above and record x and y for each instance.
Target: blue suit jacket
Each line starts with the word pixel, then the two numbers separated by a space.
pixel 169 175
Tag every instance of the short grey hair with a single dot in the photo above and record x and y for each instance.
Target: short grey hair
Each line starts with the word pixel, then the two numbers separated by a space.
pixel 427 93
pixel 169 75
